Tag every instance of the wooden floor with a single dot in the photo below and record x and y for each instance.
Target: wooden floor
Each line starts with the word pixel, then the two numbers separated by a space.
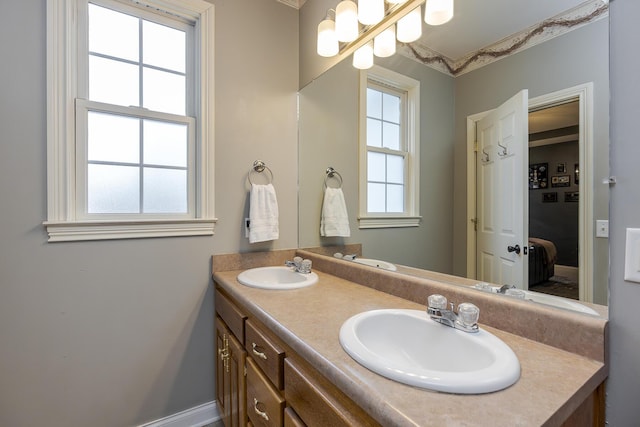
pixel 558 286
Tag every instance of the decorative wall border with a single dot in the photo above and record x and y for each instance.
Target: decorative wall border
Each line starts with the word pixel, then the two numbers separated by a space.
pixel 558 25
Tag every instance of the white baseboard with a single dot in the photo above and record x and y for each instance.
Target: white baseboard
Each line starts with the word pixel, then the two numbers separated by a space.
pixel 197 416
pixel 566 271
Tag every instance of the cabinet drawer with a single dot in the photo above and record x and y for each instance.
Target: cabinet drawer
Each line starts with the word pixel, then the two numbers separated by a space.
pixel 231 314
pixel 267 355
pixel 318 402
pixel 265 406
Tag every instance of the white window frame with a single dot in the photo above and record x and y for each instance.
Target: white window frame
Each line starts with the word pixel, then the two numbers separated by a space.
pixel 411 216
pixel 63 220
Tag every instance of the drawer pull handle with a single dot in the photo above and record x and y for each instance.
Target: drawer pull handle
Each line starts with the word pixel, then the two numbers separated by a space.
pixel 258 411
pixel 256 350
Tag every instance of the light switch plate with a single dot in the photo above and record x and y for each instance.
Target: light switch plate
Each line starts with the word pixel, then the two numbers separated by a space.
pixel 602 228
pixel 632 257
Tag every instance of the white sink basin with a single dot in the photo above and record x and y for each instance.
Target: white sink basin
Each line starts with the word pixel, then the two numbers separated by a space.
pixel 376 263
pixel 280 277
pixel 408 347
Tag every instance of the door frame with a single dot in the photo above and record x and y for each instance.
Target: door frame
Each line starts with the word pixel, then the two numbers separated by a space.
pixel 584 94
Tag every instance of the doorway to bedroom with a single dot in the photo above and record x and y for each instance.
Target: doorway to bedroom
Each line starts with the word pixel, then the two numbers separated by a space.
pixel 554 180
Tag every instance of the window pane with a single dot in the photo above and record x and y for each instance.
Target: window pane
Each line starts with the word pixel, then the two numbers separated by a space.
pixel 395 198
pixel 113 189
pixel 164 91
pixel 391 108
pixel 374 132
pixel 375 197
pixel 376 167
pixel 113 33
pixel 165 144
pixel 374 103
pixel 113 138
pixel 395 169
pixel 163 46
pixel 391 136
pixel 165 190
pixel 113 82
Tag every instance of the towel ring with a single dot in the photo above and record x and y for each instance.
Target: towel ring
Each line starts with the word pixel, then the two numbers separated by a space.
pixel 331 173
pixel 258 167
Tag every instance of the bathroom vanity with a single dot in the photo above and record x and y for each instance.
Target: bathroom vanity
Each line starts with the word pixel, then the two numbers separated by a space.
pixel 280 362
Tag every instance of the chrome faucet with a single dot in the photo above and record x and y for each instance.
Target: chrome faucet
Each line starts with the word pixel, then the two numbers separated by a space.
pixel 299 265
pixel 466 319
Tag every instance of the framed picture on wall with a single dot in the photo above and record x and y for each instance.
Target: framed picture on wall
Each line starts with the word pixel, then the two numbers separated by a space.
pixel 550 197
pixel 571 196
pixel 538 176
pixel 561 181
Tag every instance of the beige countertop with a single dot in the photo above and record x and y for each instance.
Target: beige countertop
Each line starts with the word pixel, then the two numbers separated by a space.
pixel 552 385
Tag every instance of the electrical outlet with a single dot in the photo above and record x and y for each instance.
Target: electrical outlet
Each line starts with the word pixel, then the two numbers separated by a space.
pixel 602 228
pixel 247 221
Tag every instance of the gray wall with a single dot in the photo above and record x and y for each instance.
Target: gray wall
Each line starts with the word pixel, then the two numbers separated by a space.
pixel 623 386
pixel 118 333
pixel 329 137
pixel 577 57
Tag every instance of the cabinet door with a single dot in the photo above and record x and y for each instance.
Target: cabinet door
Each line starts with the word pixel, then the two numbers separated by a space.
pixel 230 379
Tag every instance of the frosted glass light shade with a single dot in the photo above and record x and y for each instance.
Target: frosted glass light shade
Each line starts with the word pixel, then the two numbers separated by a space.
pixel 363 57
pixel 410 26
pixel 346 21
pixel 384 44
pixel 327 40
pixel 438 12
pixel 370 11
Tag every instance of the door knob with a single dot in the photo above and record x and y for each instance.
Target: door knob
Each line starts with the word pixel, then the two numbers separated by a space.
pixel 515 249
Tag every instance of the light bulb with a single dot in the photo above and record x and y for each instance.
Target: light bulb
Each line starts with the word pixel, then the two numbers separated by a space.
pixel 410 26
pixel 363 57
pixel 346 21
pixel 384 44
pixel 438 12
pixel 370 11
pixel 327 41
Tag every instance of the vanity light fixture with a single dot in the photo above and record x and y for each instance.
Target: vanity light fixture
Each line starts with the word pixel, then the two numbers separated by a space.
pixel 356 25
pixel 363 57
pixel 409 27
pixel 328 45
pixel 347 21
pixel 370 12
pixel 384 44
pixel 438 12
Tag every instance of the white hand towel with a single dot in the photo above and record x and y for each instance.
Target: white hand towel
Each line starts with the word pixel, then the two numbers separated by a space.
pixel 334 221
pixel 263 213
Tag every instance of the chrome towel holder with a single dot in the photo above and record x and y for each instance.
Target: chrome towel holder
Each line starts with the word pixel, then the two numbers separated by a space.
pixel 332 173
pixel 259 167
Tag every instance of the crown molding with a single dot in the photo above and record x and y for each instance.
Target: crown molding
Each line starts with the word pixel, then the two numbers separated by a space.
pixel 296 4
pixel 558 25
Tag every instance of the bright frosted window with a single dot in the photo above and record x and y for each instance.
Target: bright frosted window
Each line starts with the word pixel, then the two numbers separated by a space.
pixel 389 149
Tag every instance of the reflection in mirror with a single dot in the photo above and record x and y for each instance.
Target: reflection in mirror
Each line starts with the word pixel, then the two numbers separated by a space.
pixel 329 135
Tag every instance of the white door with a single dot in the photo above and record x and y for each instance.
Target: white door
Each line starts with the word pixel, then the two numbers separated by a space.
pixel 502 194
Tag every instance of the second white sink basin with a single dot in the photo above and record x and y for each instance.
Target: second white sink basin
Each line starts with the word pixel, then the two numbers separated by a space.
pixel 408 347
pixel 376 263
pixel 277 277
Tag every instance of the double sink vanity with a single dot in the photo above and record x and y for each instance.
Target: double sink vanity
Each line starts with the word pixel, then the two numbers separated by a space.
pixel 352 344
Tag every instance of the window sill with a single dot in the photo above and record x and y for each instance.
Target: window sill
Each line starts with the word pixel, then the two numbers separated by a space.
pixel 67 231
pixel 389 222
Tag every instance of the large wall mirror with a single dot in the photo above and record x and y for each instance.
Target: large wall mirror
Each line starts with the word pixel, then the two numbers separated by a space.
pixel 558 195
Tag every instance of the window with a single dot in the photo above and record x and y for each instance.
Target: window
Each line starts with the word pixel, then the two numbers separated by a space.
pixel 130 134
pixel 389 149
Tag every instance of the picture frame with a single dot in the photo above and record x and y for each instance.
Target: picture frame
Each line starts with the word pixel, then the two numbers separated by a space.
pixel 538 176
pixel 550 197
pixel 561 181
pixel 571 196
pixel 562 168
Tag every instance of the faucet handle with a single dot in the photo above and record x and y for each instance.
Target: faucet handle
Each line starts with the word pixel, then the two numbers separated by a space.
pixel 437 301
pixel 468 314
